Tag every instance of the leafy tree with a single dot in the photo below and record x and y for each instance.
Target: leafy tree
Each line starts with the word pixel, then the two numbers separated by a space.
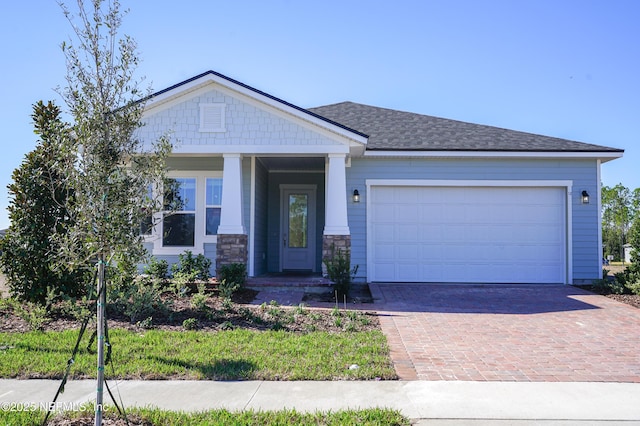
pixel 634 240
pixel 38 211
pixel 109 170
pixel 617 214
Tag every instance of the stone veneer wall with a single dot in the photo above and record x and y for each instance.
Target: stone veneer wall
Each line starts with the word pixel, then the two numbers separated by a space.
pixel 231 248
pixel 331 243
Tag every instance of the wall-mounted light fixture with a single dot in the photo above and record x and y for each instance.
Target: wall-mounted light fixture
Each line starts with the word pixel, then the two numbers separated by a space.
pixel 356 196
pixel 585 197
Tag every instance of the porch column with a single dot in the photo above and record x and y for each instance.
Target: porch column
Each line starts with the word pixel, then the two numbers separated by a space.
pixel 336 234
pixel 232 236
pixel 231 217
pixel 336 222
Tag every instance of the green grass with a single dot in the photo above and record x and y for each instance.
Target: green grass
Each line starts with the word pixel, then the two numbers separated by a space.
pixel 158 417
pixel 226 355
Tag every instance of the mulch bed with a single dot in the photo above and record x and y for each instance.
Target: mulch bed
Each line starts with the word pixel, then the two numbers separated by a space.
pixel 216 316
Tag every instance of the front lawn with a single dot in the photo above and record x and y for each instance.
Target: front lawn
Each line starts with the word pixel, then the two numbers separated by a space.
pixel 156 417
pixel 223 355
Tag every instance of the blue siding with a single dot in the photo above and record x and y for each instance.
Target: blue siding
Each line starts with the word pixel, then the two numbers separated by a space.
pixel 583 173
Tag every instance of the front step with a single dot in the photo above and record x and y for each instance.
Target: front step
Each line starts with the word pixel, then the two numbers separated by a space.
pixel 309 283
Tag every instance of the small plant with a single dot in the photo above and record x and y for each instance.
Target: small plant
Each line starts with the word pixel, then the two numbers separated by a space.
pixel 34 314
pixel 227 304
pixel 227 288
pixel 351 327
pixel 227 325
pixel 190 324
pixel 337 321
pixel 157 268
pixel 339 271
pixel 301 309
pixel 234 273
pixel 364 320
pixel 191 268
pixel 199 301
pixel 142 300
pixel 146 323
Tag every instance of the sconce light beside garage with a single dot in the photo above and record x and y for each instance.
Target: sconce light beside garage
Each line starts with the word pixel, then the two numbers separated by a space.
pixel 585 197
pixel 356 196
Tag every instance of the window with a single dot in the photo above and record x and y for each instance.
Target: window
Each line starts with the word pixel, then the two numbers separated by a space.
pixel 178 228
pixel 213 202
pixel 146 225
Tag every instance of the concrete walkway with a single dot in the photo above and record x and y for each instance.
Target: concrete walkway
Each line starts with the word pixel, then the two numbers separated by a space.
pixel 442 402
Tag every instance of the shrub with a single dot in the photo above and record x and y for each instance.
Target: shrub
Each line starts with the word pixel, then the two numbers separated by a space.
pixel 34 314
pixel 38 196
pixel 157 268
pixel 227 288
pixel 339 270
pixel 199 300
pixel 190 324
pixel 191 268
pixel 137 299
pixel 234 273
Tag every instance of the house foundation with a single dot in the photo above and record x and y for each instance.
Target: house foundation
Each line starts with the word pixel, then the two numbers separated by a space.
pixel 331 243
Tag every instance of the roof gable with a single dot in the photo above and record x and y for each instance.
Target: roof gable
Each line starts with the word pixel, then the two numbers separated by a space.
pixel 209 78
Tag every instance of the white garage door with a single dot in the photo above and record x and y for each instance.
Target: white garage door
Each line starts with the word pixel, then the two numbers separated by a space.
pixel 467 234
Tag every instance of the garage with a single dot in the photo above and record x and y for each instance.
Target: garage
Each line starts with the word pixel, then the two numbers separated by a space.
pixel 467 234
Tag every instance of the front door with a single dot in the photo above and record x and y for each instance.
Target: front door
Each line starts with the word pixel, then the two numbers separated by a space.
pixel 298 225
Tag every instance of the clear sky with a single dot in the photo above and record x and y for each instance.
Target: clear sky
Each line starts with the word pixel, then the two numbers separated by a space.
pixel 563 68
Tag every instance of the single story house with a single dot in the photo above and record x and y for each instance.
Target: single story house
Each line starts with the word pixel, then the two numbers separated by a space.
pixel 414 198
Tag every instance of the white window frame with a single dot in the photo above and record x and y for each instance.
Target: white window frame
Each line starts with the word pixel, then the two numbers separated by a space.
pixel 200 237
pixel 207 206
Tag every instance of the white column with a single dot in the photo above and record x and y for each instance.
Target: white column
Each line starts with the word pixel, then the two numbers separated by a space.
pixel 231 216
pixel 336 222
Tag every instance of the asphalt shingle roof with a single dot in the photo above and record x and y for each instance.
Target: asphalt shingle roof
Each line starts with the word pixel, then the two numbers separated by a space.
pixel 392 130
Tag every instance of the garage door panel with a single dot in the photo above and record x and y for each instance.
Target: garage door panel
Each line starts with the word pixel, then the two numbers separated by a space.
pixel 477 234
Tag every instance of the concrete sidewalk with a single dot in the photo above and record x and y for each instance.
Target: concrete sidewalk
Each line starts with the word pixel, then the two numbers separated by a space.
pixel 425 402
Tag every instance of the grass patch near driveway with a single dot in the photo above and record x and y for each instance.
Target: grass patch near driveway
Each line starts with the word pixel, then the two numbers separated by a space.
pixel 156 417
pixel 198 355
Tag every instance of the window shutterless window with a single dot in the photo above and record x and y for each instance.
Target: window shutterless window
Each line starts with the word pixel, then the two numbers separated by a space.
pixel 146 225
pixel 178 227
pixel 213 204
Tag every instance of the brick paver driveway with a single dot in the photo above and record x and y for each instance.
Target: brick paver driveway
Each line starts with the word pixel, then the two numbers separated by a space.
pixel 508 333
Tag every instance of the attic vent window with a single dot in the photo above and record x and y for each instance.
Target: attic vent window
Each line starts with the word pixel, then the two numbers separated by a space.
pixel 212 117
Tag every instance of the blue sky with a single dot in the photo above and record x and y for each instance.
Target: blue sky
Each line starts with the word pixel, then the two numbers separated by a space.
pixel 564 68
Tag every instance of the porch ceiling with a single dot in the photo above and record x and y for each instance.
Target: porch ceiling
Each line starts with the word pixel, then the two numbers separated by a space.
pixel 293 163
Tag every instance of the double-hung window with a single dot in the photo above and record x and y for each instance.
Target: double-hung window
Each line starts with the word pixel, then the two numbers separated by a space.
pixel 178 227
pixel 213 204
pixel 192 206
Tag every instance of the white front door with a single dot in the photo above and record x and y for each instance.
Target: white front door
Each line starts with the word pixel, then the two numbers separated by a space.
pixel 297 229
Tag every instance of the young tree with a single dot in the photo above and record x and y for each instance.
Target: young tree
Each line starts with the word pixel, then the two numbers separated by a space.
pixel 38 211
pixel 111 170
pixel 616 218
